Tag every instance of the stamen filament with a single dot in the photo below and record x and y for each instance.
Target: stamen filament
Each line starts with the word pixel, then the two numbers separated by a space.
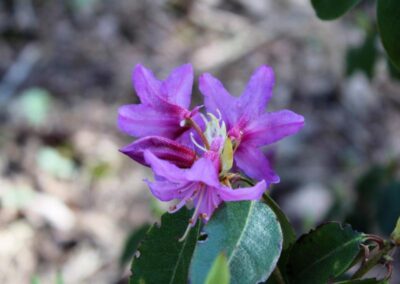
pixel 219 115
pixel 195 142
pixel 191 220
pixel 197 128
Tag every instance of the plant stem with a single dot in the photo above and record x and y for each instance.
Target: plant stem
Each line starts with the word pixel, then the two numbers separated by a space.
pixel 278 276
pixel 247 180
pixel 368 265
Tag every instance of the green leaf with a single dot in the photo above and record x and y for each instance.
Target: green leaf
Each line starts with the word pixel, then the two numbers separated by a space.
pixel 289 236
pixel 396 233
pixel 131 244
pixel 388 207
pixel 388 14
pixel 161 258
pixel 219 273
pixel 332 9
pixel 363 57
pixel 325 252
pixel 250 236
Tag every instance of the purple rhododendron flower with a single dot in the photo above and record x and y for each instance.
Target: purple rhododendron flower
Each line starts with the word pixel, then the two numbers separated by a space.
pixel 164 104
pixel 199 184
pixel 192 155
pixel 249 126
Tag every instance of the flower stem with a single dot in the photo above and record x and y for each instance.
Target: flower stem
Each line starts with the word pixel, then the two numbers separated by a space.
pixel 247 180
pixel 369 264
pixel 197 128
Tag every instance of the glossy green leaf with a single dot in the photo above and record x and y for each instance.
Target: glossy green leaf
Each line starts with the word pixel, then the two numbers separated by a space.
pixel 219 273
pixel 332 9
pixel 289 236
pixel 362 58
pixel 325 252
pixel 132 243
pixel 248 233
pixel 388 15
pixel 161 258
pixel 388 204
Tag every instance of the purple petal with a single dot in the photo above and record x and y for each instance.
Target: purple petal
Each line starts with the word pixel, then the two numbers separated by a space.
pixel 203 170
pixel 143 120
pixel 210 202
pixel 178 86
pixel 184 200
pixel 254 163
pixel 186 140
pixel 244 193
pixel 257 93
pixel 163 148
pixel 216 98
pixel 147 87
pixel 165 169
pixel 167 191
pixel 271 127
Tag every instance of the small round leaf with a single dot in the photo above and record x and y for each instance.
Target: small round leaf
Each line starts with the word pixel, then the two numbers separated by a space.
pixel 388 14
pixel 332 9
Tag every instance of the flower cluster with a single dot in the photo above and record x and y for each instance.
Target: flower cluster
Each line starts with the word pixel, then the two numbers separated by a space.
pixel 204 159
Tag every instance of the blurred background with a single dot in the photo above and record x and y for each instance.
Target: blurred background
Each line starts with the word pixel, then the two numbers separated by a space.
pixel 69 201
